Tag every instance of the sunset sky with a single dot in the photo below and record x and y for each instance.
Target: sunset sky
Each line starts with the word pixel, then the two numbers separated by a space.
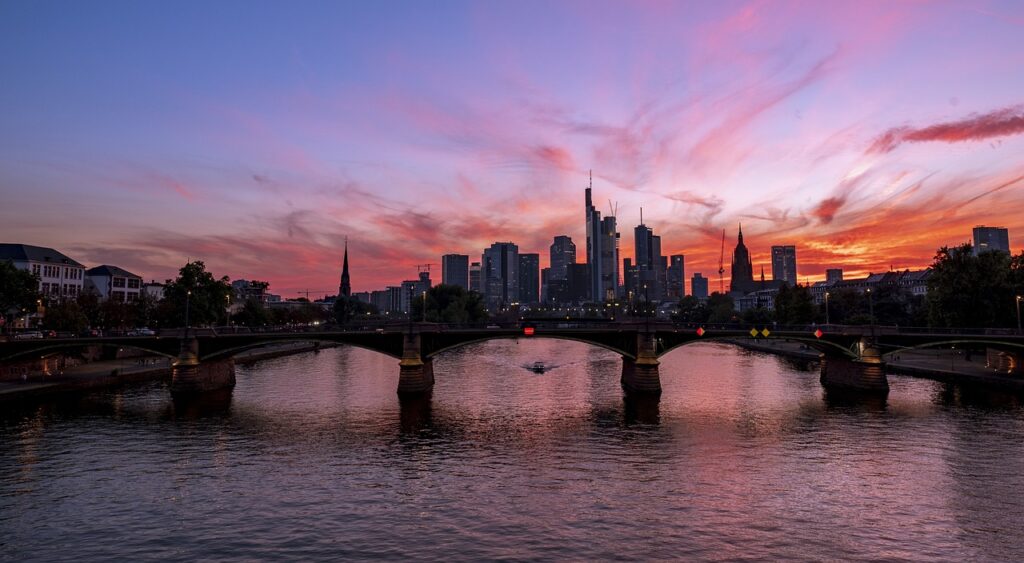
pixel 255 136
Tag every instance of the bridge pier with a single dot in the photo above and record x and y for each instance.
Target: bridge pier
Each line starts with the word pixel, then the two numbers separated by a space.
pixel 415 373
pixel 641 376
pixel 190 377
pixel 866 373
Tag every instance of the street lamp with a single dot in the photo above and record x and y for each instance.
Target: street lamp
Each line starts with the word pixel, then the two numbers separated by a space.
pixel 1019 299
pixel 188 303
pixel 826 308
pixel 424 305
pixel 871 306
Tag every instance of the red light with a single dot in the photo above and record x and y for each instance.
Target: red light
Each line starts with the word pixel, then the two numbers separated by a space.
pixel 700 331
pixel 818 333
pixel 528 331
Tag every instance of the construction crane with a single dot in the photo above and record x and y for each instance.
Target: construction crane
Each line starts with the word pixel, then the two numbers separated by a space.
pixel 422 267
pixel 721 266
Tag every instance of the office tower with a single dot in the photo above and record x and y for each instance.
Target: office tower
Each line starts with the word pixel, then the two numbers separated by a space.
pixel 577 284
pixel 499 275
pixel 784 264
pixel 651 268
pixel 474 278
pixel 677 276
pixel 529 278
pixel 563 253
pixel 412 290
pixel 742 280
pixel 455 270
pixel 833 275
pixel 545 281
pixel 630 280
pixel 345 287
pixel 699 286
pixel 602 252
pixel 991 238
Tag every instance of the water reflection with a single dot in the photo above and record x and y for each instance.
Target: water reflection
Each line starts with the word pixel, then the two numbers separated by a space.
pixel 641 410
pixel 415 413
pixel 212 404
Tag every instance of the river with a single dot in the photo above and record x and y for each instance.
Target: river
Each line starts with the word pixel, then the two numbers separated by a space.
pixel 313 457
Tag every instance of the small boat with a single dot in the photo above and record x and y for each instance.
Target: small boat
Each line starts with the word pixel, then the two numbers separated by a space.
pixel 538 367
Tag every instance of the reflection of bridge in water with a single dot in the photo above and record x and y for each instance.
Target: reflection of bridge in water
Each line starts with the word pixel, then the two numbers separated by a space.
pixel 851 356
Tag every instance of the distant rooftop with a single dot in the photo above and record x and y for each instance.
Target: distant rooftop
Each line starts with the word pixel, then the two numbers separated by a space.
pixel 108 270
pixel 27 252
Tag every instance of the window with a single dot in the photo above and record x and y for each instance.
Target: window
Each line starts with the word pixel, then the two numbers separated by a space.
pixel 131 297
pixel 46 289
pixel 35 269
pixel 118 282
pixel 117 296
pixel 133 283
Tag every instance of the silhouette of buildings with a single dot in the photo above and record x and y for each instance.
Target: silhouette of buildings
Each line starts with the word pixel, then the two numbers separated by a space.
pixel 676 277
pixel 784 264
pixel 455 270
pixel 345 288
pixel 563 253
pixel 474 277
pixel 110 282
pixel 991 238
pixel 742 278
pixel 499 275
pixel 529 278
pixel 699 286
pixel 602 252
pixel 833 275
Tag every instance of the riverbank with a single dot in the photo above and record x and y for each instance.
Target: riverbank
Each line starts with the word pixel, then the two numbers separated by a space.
pixel 109 373
pixel 948 366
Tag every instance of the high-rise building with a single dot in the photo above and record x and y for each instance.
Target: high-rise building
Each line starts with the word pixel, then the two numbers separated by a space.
pixel 545 287
pixel 499 275
pixel 474 278
pixel 412 290
pixel 563 253
pixel 455 270
pixel 833 275
pixel 576 284
pixel 529 278
pixel 991 238
pixel 784 264
pixel 699 286
pixel 677 276
pixel 651 276
pixel 602 252
pixel 345 287
pixel 742 280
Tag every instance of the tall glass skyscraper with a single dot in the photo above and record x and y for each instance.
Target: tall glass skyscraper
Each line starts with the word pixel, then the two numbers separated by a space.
pixel 991 238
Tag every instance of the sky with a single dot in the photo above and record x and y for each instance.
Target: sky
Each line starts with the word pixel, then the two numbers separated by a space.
pixel 256 136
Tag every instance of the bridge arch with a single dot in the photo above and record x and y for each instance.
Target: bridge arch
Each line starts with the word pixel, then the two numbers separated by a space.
pixel 823 346
pixel 235 350
pixel 56 348
pixel 475 340
pixel 997 344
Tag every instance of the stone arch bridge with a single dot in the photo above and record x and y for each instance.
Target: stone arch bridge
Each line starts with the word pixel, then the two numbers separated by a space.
pixel 851 356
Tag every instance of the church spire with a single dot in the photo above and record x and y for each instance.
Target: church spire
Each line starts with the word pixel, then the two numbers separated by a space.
pixel 345 289
pixel 741 234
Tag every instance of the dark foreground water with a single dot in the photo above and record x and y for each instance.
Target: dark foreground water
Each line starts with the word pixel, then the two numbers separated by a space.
pixel 313 457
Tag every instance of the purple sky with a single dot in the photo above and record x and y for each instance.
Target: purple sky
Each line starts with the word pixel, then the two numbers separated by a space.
pixel 255 136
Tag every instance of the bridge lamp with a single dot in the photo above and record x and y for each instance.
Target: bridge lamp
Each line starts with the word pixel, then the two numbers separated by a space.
pixel 1019 299
pixel 826 307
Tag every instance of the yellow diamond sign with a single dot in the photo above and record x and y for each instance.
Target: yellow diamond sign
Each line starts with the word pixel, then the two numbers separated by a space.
pixel 753 333
pixel 765 333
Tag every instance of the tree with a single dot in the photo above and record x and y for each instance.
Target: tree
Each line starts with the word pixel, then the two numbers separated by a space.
pixel 347 309
pixel 794 305
pixel 692 310
pixel 450 304
pixel 19 289
pixel 65 315
pixel 252 314
pixel 721 308
pixel 196 291
pixel 965 290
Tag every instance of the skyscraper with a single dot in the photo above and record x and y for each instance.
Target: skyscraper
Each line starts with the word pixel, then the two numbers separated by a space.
pixel 677 276
pixel 499 275
pixel 699 286
pixel 742 280
pixel 602 252
pixel 651 277
pixel 563 253
pixel 991 238
pixel 529 278
pixel 345 287
pixel 784 264
pixel 833 275
pixel 474 278
pixel 455 270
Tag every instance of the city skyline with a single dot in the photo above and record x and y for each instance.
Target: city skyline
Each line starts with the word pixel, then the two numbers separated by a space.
pixel 867 136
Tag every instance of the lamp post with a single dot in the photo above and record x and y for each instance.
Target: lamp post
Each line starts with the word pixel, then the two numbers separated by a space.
pixel 1019 299
pixel 188 303
pixel 871 306
pixel 424 305
pixel 826 308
